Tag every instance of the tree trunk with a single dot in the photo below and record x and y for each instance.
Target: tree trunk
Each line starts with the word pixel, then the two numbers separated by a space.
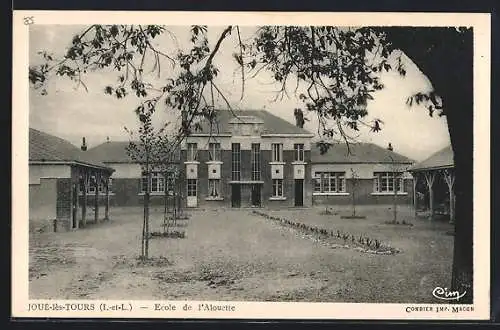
pixel 415 181
pixel 460 129
pixel 96 197
pixel 445 56
pixel 106 206
pixel 394 186
pixel 146 218
pixel 84 198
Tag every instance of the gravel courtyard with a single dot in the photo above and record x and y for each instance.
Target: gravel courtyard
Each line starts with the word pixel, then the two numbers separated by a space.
pixel 237 255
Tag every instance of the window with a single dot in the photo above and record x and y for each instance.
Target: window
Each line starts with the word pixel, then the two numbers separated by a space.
pixel 235 162
pixel 191 187
pixel 255 161
pixel 299 152
pixel 329 182
pixel 157 183
pixel 214 151
pixel 277 152
pixel 192 152
pixel 277 187
pixel 384 182
pixel 214 188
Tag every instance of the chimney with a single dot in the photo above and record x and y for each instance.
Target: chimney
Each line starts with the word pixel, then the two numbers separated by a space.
pixel 299 117
pixel 84 145
pixel 389 147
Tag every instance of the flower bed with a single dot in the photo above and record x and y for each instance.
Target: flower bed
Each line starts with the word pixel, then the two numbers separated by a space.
pixel 169 234
pixel 360 243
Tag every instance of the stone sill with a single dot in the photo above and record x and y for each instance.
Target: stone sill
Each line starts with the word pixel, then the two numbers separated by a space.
pixel 277 163
pixel 277 198
pixel 100 194
pixel 389 194
pixel 214 198
pixel 192 162
pixel 299 162
pixel 331 194
pixel 154 194
pixel 214 162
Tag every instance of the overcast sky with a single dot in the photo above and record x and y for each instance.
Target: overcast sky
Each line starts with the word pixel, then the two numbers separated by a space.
pixel 73 113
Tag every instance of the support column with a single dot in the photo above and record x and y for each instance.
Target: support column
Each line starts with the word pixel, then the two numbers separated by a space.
pixel 449 177
pixel 96 196
pixel 106 206
pixel 429 178
pixel 415 181
pixel 85 177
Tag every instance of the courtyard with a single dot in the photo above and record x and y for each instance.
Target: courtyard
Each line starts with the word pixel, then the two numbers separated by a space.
pixel 239 255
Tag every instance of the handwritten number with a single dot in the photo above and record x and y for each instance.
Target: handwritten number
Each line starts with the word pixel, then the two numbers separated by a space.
pixel 28 20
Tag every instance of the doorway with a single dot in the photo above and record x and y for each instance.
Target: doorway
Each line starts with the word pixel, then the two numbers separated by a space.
pixel 256 195
pixel 192 193
pixel 235 195
pixel 299 192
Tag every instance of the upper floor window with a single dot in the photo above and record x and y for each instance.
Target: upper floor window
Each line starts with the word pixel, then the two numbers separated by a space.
pixel 255 161
pixel 277 149
pixel 299 152
pixel 385 182
pixel 235 162
pixel 192 152
pixel 214 151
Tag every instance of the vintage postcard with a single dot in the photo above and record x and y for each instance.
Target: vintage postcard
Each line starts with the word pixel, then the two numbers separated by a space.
pixel 251 165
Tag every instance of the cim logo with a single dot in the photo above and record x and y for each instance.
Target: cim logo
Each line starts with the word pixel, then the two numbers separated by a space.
pixel 445 294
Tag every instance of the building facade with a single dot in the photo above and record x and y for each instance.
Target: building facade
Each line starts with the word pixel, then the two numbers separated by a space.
pixel 255 160
pixel 247 158
pixel 365 172
pixel 58 171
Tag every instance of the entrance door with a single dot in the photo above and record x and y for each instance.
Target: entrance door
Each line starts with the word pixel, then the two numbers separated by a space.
pixel 235 195
pixel 256 195
pixel 74 206
pixel 192 193
pixel 299 192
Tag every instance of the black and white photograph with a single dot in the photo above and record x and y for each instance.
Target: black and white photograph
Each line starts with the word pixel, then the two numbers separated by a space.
pixel 266 161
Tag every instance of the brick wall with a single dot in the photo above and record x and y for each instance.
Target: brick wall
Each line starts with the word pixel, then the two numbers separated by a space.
pixel 42 204
pixel 63 204
pixel 246 174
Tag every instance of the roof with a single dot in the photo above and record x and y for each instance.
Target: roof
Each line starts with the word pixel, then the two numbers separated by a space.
pixel 271 124
pixel 368 153
pixel 111 152
pixel 441 159
pixel 47 148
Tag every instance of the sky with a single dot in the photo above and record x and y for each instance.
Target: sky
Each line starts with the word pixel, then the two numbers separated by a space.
pixel 71 112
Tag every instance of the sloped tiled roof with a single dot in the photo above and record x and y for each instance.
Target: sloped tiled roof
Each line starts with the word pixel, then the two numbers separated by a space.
pixel 359 153
pixel 441 159
pixel 110 152
pixel 44 147
pixel 272 124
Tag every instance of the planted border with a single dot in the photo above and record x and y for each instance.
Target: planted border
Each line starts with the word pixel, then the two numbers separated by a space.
pixel 360 243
